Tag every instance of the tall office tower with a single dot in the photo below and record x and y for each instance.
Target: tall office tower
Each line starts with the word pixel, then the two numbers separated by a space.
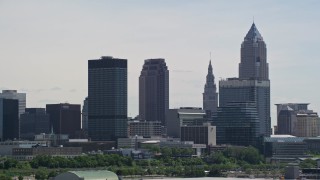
pixel 9 119
pixel 237 124
pixel 13 94
pixel 85 115
pixel 287 116
pixel 254 91
pixel 107 98
pixel 210 95
pixel 34 121
pixel 154 91
pixel 253 63
pixel 65 118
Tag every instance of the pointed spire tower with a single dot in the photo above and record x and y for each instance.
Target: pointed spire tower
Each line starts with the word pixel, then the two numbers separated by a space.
pixel 210 95
pixel 253 63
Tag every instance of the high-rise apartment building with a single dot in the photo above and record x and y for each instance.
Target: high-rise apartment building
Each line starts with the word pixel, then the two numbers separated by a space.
pixel 9 119
pixel 253 91
pixel 253 63
pixel 210 95
pixel 107 98
pixel 34 121
pixel 154 91
pixel 65 118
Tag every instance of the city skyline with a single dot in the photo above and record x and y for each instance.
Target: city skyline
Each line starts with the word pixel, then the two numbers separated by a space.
pixel 56 46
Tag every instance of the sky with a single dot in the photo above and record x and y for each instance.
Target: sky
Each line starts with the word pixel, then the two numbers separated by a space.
pixel 45 45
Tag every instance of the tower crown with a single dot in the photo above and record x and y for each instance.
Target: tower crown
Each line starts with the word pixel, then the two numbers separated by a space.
pixel 253 34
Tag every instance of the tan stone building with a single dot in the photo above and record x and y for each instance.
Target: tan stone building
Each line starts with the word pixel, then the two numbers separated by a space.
pixel 308 124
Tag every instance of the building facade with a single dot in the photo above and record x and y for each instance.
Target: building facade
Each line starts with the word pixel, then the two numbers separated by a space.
pixel 9 119
pixel 237 124
pixel 210 95
pixel 144 128
pixel 85 115
pixel 253 63
pixel 154 91
pixel 287 117
pixel 185 116
pixel 65 118
pixel 13 94
pixel 308 124
pixel 205 134
pixel 34 121
pixel 107 98
pixel 253 91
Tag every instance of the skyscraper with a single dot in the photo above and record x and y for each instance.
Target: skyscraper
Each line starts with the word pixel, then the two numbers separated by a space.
pixel 21 97
pixel 9 119
pixel 154 91
pixel 253 63
pixel 253 91
pixel 13 94
pixel 210 95
pixel 107 98
pixel 253 84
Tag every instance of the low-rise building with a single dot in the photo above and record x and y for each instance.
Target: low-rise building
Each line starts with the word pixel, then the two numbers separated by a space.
pixel 7 146
pixel 201 134
pixel 30 153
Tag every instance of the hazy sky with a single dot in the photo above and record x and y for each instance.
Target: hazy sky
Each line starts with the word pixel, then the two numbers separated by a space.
pixel 45 45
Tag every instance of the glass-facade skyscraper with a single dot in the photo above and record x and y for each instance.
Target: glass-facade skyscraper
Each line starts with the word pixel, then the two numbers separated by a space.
pixel 253 84
pixel 237 124
pixel 107 98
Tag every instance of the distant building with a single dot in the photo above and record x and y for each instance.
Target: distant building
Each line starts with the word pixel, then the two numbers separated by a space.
pixel 107 98
pixel 287 117
pixel 201 134
pixel 34 121
pixel 308 124
pixel 21 97
pixel 252 91
pixel 284 149
pixel 9 119
pixel 64 118
pixel 54 139
pixel 7 146
pixel 85 115
pixel 154 91
pixel 237 123
pixel 144 128
pixel 184 116
pixel 253 63
pixel 13 94
pixel 210 95
pixel 30 153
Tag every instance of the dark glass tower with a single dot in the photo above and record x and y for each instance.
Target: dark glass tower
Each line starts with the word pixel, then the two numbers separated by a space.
pixel 9 119
pixel 107 98
pixel 65 118
pixel 237 124
pixel 34 121
pixel 253 63
pixel 154 91
pixel 210 95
